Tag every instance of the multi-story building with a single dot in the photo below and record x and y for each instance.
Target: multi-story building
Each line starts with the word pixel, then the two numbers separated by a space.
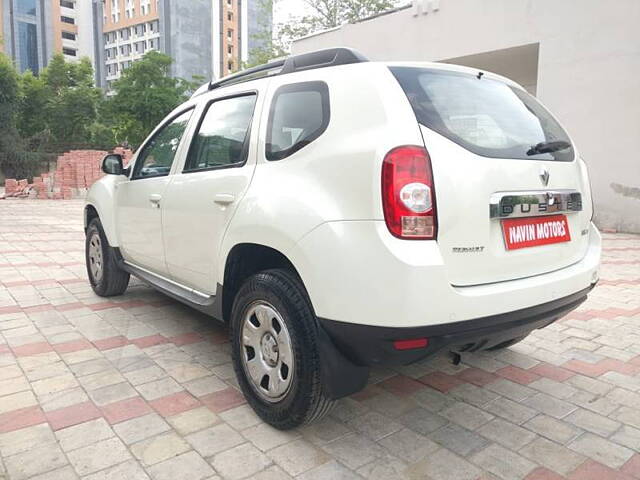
pixel 207 38
pixel 130 28
pixel 32 31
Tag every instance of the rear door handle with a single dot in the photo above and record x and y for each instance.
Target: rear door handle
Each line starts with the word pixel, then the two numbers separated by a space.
pixel 224 198
pixel 155 198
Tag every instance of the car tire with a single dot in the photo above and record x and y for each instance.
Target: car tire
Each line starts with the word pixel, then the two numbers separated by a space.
pixel 106 277
pixel 508 343
pixel 275 352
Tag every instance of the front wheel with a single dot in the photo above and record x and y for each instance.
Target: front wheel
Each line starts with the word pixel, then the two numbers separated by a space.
pixel 275 353
pixel 106 277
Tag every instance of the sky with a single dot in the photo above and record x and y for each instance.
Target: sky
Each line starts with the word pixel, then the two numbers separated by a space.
pixel 283 9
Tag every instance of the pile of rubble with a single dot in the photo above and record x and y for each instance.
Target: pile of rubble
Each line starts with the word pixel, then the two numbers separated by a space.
pixel 75 172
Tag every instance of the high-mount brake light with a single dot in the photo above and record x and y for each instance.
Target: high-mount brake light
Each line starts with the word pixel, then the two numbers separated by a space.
pixel 408 198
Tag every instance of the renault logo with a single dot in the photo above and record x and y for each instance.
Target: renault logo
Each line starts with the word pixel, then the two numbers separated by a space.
pixel 544 176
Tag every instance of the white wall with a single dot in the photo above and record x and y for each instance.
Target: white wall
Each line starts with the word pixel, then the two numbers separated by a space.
pixel 588 72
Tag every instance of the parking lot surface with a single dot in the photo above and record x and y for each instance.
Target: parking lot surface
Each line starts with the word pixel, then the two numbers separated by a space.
pixel 141 387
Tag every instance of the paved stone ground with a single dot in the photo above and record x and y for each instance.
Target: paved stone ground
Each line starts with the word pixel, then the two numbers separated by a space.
pixel 141 387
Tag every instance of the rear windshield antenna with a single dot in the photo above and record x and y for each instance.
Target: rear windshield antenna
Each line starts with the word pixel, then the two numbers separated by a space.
pixel 480 75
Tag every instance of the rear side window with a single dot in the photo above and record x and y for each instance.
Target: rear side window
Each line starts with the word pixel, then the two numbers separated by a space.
pixel 299 114
pixel 223 134
pixel 485 116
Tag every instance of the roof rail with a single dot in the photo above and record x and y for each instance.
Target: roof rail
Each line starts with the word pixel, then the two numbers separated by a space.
pixel 319 59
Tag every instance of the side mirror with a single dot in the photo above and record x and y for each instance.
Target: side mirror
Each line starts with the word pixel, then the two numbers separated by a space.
pixel 112 164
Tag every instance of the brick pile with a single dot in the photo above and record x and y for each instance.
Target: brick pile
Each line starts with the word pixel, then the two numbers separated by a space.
pixel 75 172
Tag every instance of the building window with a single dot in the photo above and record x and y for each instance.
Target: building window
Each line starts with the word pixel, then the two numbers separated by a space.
pixel 68 36
pixel 67 4
pixel 230 49
pixel 230 65
pixel 115 11
pixel 230 3
pixel 145 7
pixel 230 35
pixel 69 51
pixel 230 16
pixel 28 46
pixel 130 9
pixel 26 7
pixel 67 20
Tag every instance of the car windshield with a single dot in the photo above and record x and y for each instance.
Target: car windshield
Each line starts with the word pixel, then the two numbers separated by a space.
pixel 483 115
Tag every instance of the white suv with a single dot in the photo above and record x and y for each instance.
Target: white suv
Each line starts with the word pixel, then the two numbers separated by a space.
pixel 339 214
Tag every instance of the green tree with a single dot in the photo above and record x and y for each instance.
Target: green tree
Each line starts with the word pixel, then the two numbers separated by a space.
pixel 14 161
pixel 32 120
pixel 144 95
pixel 72 100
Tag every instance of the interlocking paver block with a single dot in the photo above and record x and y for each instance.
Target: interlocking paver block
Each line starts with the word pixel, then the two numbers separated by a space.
pixel 444 465
pixel 601 450
pixel 34 461
pixel 158 449
pixel 193 420
pixel 458 439
pixel 503 462
pixel 98 456
pixel 240 462
pixel 408 445
pixel 25 439
pixel 506 434
pixel 129 470
pixel 139 428
pixel 188 466
pixel 553 456
pixel 214 439
pixel 298 457
pixel 78 436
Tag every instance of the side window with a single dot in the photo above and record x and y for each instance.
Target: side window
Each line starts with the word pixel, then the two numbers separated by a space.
pixel 223 134
pixel 157 155
pixel 299 114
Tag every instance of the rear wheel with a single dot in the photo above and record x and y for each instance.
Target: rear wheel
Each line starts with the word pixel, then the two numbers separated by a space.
pixel 106 277
pixel 275 354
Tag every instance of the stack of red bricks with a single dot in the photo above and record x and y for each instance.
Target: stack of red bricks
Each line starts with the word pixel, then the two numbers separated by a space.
pixel 75 172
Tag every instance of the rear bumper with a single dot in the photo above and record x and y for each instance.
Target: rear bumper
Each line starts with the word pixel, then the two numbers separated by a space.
pixel 357 272
pixel 372 345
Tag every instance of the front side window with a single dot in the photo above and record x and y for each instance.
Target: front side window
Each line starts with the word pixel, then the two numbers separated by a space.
pixel 299 114
pixel 483 115
pixel 223 135
pixel 157 155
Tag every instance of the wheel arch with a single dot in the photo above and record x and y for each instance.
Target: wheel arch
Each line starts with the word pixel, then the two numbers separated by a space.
pixel 100 204
pixel 244 260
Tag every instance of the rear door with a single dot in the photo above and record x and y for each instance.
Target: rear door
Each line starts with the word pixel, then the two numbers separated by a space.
pixel 202 197
pixel 512 199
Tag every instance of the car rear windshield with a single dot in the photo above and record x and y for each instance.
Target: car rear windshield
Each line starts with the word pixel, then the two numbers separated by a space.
pixel 485 116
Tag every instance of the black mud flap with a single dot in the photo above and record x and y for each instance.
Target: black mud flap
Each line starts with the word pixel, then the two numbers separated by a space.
pixel 340 376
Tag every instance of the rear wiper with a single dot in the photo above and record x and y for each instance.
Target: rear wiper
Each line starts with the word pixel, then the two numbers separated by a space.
pixel 548 147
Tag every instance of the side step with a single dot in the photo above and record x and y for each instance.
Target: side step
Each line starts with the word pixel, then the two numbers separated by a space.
pixel 189 296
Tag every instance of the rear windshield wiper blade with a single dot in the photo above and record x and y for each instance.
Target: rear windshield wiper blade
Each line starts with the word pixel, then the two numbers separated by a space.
pixel 548 147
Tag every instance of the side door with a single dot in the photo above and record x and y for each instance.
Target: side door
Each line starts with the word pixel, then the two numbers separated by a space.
pixel 201 199
pixel 139 200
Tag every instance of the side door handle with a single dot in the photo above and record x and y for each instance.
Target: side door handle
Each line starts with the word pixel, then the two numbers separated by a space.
pixel 224 198
pixel 155 198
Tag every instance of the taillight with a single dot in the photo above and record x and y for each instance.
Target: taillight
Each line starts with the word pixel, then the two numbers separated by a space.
pixel 408 198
